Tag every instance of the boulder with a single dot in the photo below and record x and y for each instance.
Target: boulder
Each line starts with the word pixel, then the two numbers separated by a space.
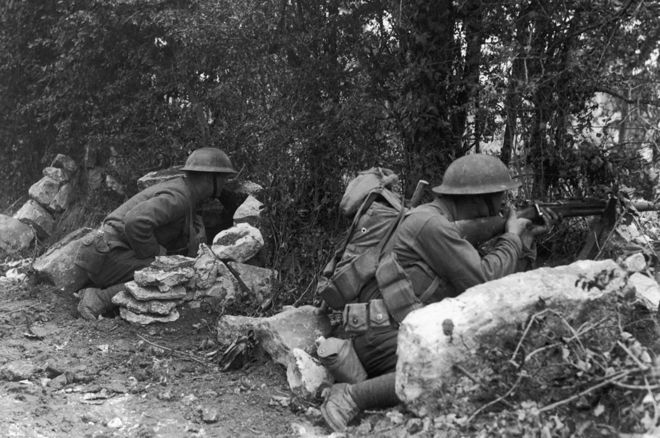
pixel 249 212
pixel 634 263
pixel 33 214
pixel 57 174
pixel 14 234
pixel 157 307
pixel 239 243
pixel 56 266
pixel 432 339
pixel 307 377
pixel 144 319
pixel 647 290
pixel 279 334
pixel 62 199
pixel 225 287
pixel 259 281
pixel 150 293
pixel 44 190
pixel 65 162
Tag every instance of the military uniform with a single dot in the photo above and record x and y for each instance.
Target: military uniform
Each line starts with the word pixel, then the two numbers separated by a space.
pixel 159 217
pixel 434 256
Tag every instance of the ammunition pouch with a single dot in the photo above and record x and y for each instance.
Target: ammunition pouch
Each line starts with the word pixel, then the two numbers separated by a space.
pixel 339 357
pixel 347 282
pixel 396 288
pixel 360 317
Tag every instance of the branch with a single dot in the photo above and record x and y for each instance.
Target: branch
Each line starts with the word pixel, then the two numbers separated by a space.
pixel 619 95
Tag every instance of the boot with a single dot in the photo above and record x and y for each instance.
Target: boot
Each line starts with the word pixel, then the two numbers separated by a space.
pixel 339 408
pixel 95 301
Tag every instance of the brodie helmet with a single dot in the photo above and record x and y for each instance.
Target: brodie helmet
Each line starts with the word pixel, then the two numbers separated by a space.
pixel 211 160
pixel 476 174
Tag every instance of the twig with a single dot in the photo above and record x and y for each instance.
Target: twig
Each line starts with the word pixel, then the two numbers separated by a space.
pixel 522 338
pixel 636 387
pixel 497 400
pixel 585 392
pixel 465 372
pixel 172 350
pixel 632 356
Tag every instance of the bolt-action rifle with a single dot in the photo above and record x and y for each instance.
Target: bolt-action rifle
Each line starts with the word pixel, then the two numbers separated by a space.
pixel 480 230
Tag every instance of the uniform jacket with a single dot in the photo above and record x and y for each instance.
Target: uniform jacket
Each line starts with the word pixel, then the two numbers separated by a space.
pixel 428 244
pixel 160 215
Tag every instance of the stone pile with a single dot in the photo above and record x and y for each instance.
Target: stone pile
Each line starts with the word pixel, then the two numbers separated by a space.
pixel 220 273
pixel 48 199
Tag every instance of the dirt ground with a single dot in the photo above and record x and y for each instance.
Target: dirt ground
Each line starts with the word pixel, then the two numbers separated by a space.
pixel 61 376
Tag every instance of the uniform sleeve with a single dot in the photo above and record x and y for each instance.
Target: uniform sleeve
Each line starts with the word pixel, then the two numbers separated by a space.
pixel 455 259
pixel 141 222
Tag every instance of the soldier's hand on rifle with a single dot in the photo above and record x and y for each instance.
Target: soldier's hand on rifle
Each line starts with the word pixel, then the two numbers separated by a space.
pixel 515 224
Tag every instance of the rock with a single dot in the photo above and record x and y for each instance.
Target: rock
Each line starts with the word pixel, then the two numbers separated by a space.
pixel 209 415
pixel 57 174
pixel 260 281
pixel 33 214
pixel 249 212
pixel 239 243
pixel 62 199
pixel 205 267
pixel 56 266
pixel 149 293
pixel 157 307
pixel 44 190
pixel 427 349
pixel 635 263
pixel 159 176
pixel 18 370
pixel 647 290
pixel 306 376
pixel 279 334
pixel 225 288
pixel 14 234
pixel 143 319
pixel 65 162
pixel 166 272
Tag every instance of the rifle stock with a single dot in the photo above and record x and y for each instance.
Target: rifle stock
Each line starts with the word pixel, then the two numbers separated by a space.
pixel 480 230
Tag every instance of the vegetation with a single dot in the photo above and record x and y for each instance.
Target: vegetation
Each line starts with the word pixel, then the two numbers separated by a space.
pixel 303 93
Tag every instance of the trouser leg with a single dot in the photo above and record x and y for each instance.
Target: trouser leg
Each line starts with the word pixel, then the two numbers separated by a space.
pixel 375 393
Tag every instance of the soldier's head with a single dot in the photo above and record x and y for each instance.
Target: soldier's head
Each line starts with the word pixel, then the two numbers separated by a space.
pixel 207 169
pixel 477 179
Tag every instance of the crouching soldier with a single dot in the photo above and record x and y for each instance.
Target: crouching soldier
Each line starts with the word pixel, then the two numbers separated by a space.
pixel 429 261
pixel 159 220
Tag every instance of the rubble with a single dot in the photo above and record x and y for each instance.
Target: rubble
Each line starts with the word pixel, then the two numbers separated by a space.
pixel 249 212
pixel 44 190
pixel 33 214
pixel 258 280
pixel 141 293
pixel 164 278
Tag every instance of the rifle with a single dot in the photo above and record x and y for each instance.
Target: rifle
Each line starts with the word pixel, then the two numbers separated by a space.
pixel 480 230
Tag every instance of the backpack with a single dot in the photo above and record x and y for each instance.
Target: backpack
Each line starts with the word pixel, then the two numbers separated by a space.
pixel 376 211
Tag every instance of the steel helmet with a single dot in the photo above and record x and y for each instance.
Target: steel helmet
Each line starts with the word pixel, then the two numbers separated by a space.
pixel 476 174
pixel 210 160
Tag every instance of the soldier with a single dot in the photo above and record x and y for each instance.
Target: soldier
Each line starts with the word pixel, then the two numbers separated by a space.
pixel 159 220
pixel 429 261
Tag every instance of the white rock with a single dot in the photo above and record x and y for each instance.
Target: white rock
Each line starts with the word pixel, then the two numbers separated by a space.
pixel 62 199
pixel 249 212
pixel 432 339
pixel 306 376
pixel 64 162
pixel 239 243
pixel 56 266
pixel 279 334
pixel 140 318
pixel 57 174
pixel 647 290
pixel 205 267
pixel 635 263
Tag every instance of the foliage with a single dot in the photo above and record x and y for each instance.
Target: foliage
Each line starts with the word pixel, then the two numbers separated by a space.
pixel 302 94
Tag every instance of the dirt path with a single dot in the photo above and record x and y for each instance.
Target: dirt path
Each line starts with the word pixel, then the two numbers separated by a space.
pixel 61 376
